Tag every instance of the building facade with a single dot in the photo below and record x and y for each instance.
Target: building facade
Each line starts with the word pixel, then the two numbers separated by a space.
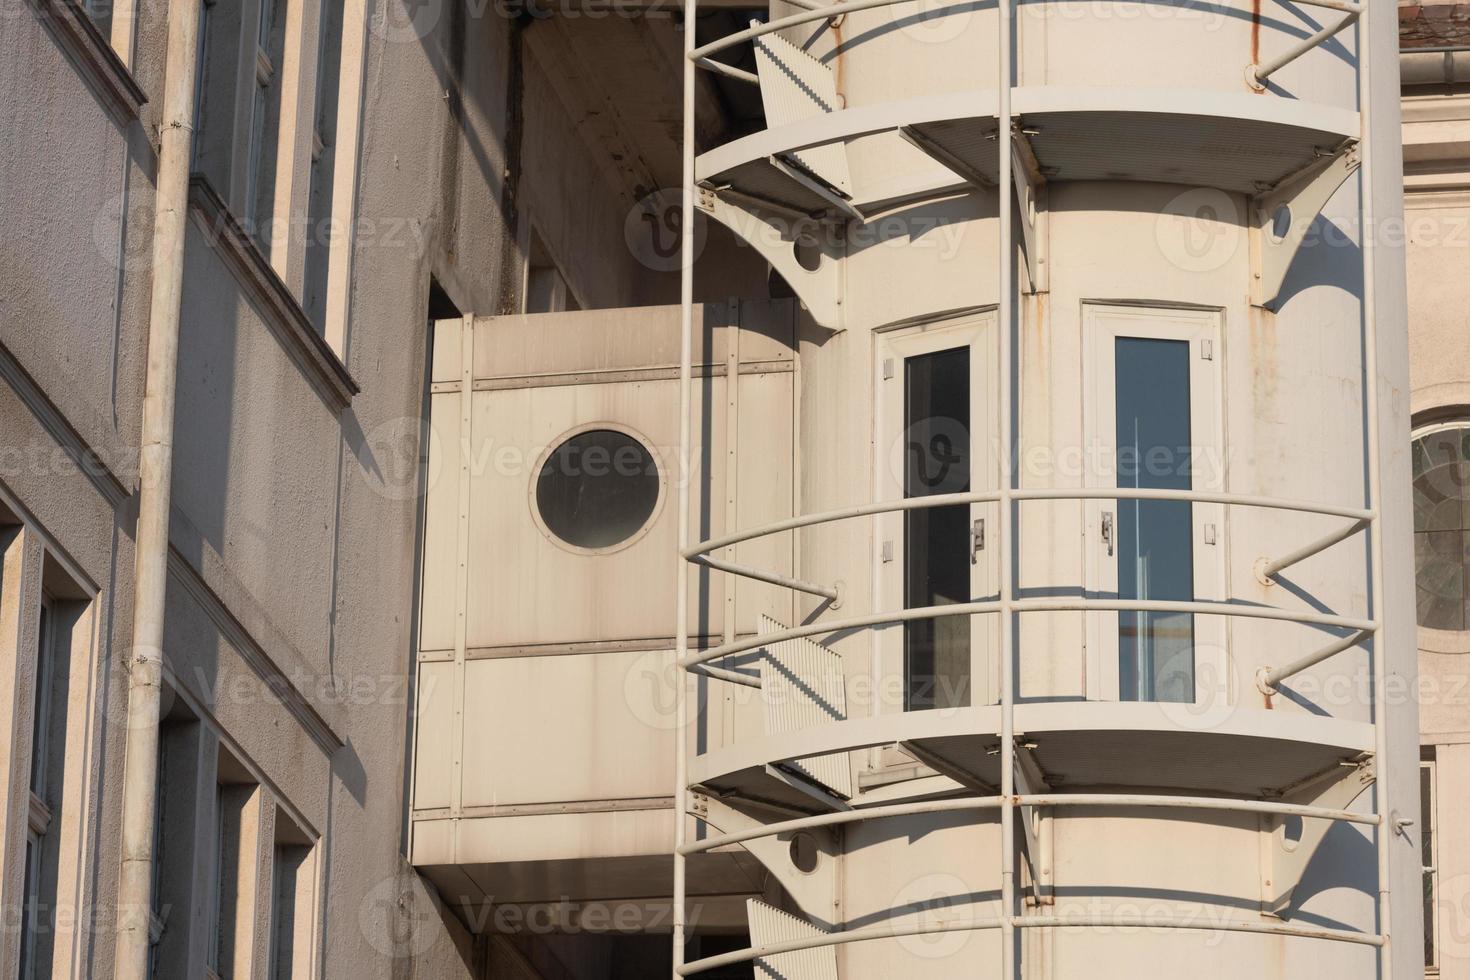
pixel 1436 88
pixel 419 713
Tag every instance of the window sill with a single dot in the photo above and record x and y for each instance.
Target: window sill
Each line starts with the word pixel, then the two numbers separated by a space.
pixel 93 57
pixel 281 310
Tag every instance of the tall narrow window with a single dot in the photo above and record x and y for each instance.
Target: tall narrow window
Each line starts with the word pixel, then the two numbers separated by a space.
pixel 34 938
pixel 1429 845
pixel 1154 538
pixel 291 901
pixel 937 551
pixel 320 229
pixel 265 122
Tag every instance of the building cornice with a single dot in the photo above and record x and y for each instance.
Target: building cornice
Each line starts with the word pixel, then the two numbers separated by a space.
pixel 279 308
pixel 93 57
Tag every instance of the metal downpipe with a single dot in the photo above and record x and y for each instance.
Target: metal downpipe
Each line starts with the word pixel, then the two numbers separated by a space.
pixel 150 566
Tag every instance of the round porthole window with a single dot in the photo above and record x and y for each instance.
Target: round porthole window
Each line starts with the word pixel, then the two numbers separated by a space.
pixel 598 489
pixel 1441 460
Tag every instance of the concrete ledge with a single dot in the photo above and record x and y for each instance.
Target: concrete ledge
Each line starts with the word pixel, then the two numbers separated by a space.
pixel 93 57
pixel 279 308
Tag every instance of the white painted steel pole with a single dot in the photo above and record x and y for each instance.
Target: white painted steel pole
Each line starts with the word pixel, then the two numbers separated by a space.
pixel 1004 315
pixel 686 474
pixel 1263 72
pixel 1366 235
pixel 150 561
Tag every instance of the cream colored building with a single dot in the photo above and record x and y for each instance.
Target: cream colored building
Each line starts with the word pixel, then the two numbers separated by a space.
pixel 422 560
pixel 1436 86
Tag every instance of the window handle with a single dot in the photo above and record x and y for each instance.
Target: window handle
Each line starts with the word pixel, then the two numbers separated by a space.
pixel 1107 531
pixel 977 540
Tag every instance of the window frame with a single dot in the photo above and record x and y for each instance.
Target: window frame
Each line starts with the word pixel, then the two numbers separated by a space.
pixel 265 161
pixel 1429 814
pixel 1102 326
pixel 1433 638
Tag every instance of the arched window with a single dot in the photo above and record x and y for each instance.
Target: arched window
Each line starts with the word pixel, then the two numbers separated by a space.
pixel 1441 460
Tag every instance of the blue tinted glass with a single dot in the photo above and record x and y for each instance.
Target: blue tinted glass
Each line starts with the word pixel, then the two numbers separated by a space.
pixel 1155 542
pixel 937 540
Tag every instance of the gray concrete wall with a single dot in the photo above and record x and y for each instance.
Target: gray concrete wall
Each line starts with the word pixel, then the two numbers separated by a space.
pixel 291 610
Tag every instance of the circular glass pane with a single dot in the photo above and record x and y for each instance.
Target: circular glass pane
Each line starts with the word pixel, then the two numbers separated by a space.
pixel 1441 459
pixel 597 489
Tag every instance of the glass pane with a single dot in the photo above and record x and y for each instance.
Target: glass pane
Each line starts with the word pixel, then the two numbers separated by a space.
pixel 40 720
pixel 1442 527
pixel 937 541
pixel 1154 538
pixel 1426 834
pixel 597 489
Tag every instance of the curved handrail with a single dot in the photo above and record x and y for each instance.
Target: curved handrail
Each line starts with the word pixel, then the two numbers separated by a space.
pixel 833 939
pixel 1051 921
pixel 962 804
pixel 701 55
pixel 796 20
pixel 1046 604
pixel 990 496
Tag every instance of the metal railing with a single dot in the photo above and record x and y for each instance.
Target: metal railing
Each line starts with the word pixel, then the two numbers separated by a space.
pixel 1007 603
pixel 1257 74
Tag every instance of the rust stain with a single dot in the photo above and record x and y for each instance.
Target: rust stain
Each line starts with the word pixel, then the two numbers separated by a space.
pixel 838 63
pixel 1255 32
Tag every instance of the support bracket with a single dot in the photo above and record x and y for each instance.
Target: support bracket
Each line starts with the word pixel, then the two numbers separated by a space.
pixel 1031 203
pixel 1281 216
pixel 814 890
pixel 1288 843
pixel 1036 823
pixel 776 232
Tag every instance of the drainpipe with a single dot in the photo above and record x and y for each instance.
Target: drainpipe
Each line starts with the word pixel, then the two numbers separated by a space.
pixel 150 568
pixel 1435 66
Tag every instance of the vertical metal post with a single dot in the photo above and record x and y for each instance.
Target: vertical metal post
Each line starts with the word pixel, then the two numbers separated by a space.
pixel 1366 235
pixel 1005 313
pixel 686 469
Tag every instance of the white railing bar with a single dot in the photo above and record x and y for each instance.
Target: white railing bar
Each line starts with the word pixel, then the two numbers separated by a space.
pixel 687 149
pixel 1267 679
pixel 1163 923
pixel 838 626
pixel 794 20
pixel 1207 608
pixel 1005 313
pixel 721 674
pixel 811 12
pixel 772 578
pixel 1263 72
pixel 1196 803
pixel 1198 497
pixel 835 939
pixel 819 820
pixel 1053 921
pixel 729 71
pixel 1385 837
pixel 1270 569
pixel 1343 5
pixel 1061 604
pixel 962 804
pixel 991 496
pixel 843 514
